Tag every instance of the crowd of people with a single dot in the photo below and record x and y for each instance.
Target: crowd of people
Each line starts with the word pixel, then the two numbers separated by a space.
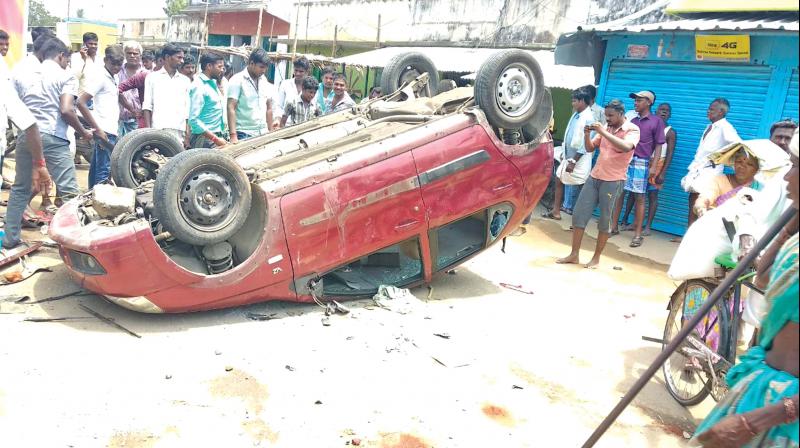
pixel 635 151
pixel 62 99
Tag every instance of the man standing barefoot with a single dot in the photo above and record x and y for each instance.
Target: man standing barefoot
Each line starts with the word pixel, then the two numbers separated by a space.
pixel 616 141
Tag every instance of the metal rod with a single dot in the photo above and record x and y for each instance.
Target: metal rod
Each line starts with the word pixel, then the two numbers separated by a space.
pixel 718 293
pixel 258 30
pixel 335 38
pixel 296 25
pixel 308 16
pixel 378 38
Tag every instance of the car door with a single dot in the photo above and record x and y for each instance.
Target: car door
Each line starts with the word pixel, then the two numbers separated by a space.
pixel 468 187
pixel 333 224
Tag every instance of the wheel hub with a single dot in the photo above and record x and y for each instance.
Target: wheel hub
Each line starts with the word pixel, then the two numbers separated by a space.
pixel 206 200
pixel 515 90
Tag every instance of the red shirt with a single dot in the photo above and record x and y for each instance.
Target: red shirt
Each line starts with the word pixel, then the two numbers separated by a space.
pixel 134 82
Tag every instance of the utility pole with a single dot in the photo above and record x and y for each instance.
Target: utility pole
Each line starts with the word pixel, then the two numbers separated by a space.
pixel 69 3
pixel 205 23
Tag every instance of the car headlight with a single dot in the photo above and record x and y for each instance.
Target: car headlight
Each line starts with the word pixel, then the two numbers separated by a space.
pixel 85 263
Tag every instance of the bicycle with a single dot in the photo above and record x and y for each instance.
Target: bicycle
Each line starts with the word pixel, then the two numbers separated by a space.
pixel 699 366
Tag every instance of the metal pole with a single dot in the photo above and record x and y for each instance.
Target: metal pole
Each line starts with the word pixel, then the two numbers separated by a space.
pixel 269 38
pixel 718 293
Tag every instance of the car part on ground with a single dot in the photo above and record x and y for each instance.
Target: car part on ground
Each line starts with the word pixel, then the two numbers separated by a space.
pixel 509 88
pixel 139 155
pixel 85 149
pixel 202 197
pixel 406 67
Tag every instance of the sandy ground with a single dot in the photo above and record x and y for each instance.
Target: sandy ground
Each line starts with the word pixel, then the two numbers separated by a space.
pixel 471 364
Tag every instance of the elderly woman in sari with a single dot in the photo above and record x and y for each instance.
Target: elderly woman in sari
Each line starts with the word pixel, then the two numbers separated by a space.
pixel 722 187
pixel 760 410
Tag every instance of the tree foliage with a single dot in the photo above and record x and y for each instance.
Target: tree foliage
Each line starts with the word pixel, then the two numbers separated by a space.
pixel 174 7
pixel 38 15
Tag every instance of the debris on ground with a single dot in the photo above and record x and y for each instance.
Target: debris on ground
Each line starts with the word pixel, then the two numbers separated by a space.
pixel 399 300
pixel 518 288
pixel 514 386
pixel 16 298
pixel 78 293
pixel 25 271
pixel 617 268
pixel 8 256
pixel 442 335
pixel 108 320
pixel 55 319
pixel 110 201
pixel 260 316
pixel 228 368
pixel 289 368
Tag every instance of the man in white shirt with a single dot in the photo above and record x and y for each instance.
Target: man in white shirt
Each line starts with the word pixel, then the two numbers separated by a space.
pixel 249 104
pixel 85 63
pixel 716 135
pixel 30 163
pixel 289 89
pixel 166 95
pixel 103 91
pixel 49 94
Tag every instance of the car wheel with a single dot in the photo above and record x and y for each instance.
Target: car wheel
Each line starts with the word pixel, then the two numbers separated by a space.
pixel 138 155
pixel 202 197
pixel 539 124
pixel 508 88
pixel 406 67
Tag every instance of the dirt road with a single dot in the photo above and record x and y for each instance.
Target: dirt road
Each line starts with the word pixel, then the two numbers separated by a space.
pixel 477 364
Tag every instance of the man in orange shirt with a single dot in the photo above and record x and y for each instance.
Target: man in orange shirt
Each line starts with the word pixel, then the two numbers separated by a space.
pixel 616 141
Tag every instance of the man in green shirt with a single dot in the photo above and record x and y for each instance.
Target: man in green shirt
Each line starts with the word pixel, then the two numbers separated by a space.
pixel 206 100
pixel 250 99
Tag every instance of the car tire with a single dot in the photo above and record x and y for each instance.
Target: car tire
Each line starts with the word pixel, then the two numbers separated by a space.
pixel 126 156
pixel 222 210
pixel 539 124
pixel 509 87
pixel 406 67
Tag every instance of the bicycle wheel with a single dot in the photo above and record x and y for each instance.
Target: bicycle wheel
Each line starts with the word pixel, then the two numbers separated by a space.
pixel 686 377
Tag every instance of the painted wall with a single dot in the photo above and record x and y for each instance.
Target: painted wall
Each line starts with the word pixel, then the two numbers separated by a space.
pixel 479 21
pixel 143 29
pixel 107 33
pixel 776 51
pixel 245 23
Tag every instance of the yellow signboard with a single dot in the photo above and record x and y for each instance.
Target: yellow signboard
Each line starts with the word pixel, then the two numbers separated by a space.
pixel 717 47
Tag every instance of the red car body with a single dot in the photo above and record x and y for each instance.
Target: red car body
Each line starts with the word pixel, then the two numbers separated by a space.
pixel 324 215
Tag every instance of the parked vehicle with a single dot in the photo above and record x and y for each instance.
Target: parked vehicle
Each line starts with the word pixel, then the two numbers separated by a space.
pixel 390 192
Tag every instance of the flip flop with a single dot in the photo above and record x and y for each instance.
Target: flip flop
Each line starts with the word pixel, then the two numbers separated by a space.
pixel 614 232
pixel 628 228
pixel 636 241
pixel 550 215
pixel 646 233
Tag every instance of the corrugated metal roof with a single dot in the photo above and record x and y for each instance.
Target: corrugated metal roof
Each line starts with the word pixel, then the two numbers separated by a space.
pixel 715 22
pixel 468 60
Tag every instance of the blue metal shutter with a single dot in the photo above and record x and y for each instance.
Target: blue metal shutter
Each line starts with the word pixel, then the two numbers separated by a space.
pixel 790 107
pixel 689 87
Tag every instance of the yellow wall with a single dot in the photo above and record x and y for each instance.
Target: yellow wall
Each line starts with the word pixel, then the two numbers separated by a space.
pixel 107 35
pixel 689 6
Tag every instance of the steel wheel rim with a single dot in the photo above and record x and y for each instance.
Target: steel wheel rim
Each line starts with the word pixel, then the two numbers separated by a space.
pixel 207 200
pixel 515 90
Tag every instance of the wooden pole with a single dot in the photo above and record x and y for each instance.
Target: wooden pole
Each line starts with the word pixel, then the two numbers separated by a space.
pixel 296 25
pixel 258 30
pixel 308 15
pixel 335 37
pixel 378 40
pixel 269 38
pixel 205 23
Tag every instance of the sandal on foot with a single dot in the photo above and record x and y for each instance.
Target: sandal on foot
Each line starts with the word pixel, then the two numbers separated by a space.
pixel 636 241
pixel 614 232
pixel 550 215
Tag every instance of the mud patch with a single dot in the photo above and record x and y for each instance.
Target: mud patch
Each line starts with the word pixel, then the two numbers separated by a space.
pixel 498 414
pixel 258 430
pixel 242 386
pixel 239 385
pixel 667 423
pixel 137 439
pixel 395 440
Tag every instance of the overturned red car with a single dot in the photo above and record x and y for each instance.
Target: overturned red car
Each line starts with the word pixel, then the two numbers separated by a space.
pixel 388 193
